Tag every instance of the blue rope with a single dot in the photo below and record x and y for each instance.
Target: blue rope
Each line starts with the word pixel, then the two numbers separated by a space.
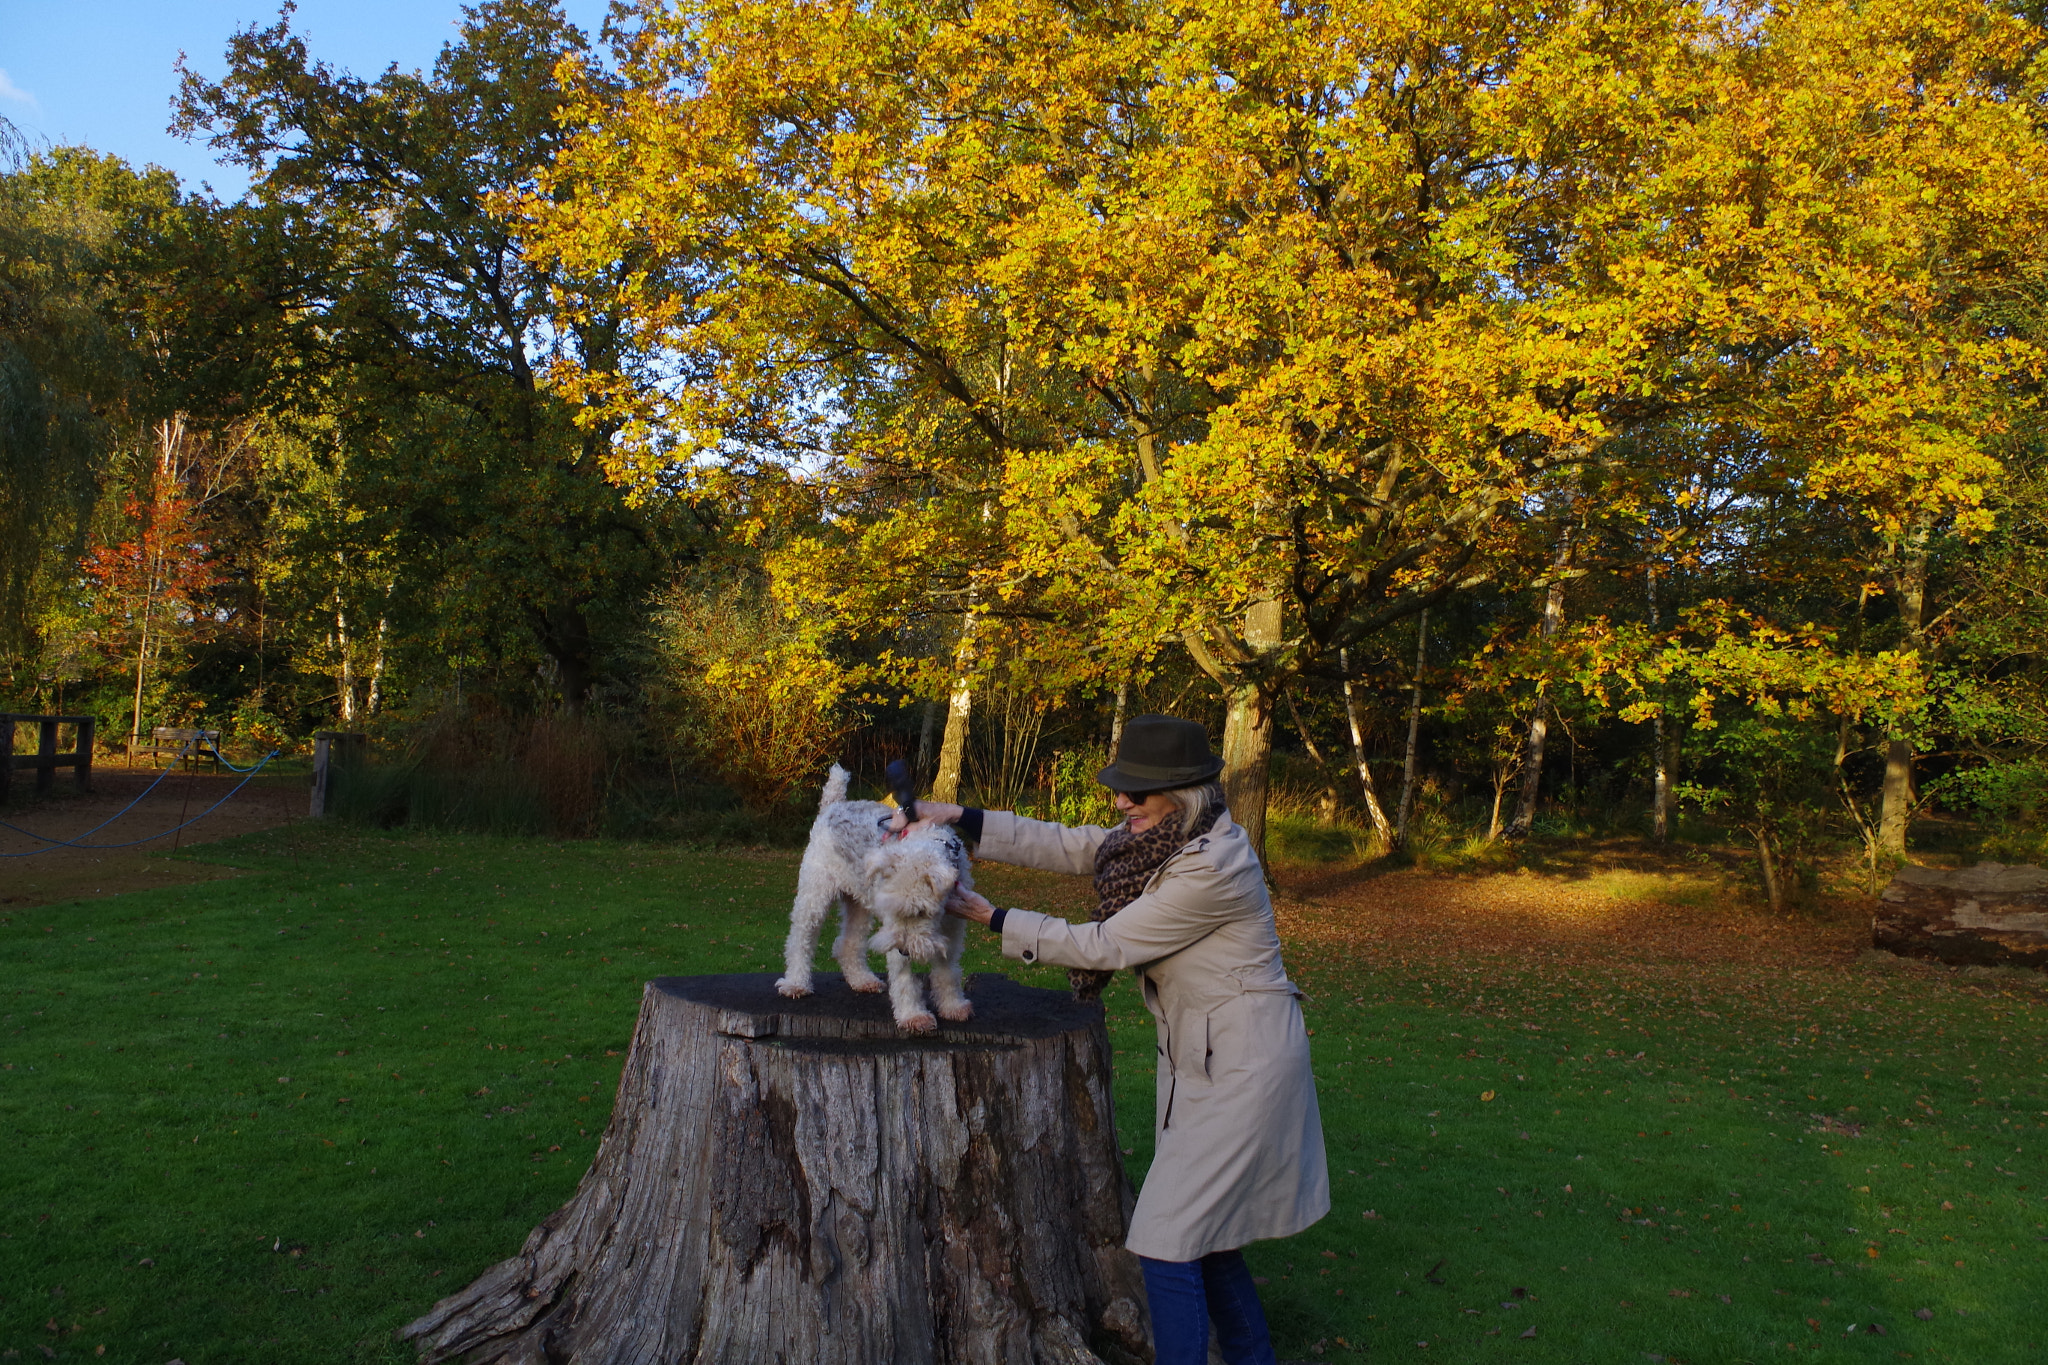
pixel 111 818
pixel 73 843
pixel 222 758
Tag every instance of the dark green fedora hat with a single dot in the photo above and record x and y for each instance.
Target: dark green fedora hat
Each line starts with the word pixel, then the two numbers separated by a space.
pixel 1159 753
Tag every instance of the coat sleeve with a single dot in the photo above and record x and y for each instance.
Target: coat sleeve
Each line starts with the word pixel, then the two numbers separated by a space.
pixel 1176 912
pixel 1007 837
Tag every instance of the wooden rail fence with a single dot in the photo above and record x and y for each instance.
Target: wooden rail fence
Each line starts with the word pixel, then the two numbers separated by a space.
pixel 45 760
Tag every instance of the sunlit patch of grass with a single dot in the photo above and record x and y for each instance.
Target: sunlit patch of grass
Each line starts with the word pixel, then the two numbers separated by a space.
pixel 1303 839
pixel 1659 888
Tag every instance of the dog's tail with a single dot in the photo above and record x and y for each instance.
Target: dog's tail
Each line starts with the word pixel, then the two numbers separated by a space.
pixel 835 787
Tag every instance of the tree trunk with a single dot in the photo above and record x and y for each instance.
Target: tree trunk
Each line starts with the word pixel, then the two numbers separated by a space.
pixel 924 737
pixel 1326 805
pixel 953 749
pixel 799 1181
pixel 1248 731
pixel 1911 583
pixel 1660 804
pixel 1408 759
pixel 1772 889
pixel 1116 722
pixel 1247 760
pixel 345 684
pixel 375 703
pixel 565 635
pixel 1988 915
pixel 1539 723
pixel 959 709
pixel 1381 826
pixel 141 665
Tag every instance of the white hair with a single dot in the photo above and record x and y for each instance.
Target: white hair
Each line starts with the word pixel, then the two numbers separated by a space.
pixel 1196 802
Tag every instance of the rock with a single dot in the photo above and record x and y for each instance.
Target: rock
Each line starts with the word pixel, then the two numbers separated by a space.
pixel 1990 915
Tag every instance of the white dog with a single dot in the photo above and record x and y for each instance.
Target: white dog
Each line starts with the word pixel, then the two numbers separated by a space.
pixel 904 881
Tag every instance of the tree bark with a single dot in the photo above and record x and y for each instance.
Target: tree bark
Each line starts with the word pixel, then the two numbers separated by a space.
pixel 375 704
pixel 959 709
pixel 1500 789
pixel 565 635
pixel 1408 759
pixel 1248 731
pixel 924 736
pixel 1116 721
pixel 1897 811
pixel 345 680
pixel 1247 760
pixel 1326 805
pixel 1660 804
pixel 1773 888
pixel 1539 723
pixel 1382 826
pixel 799 1181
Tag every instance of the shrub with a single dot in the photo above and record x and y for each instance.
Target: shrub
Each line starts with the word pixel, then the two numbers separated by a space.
pixel 759 700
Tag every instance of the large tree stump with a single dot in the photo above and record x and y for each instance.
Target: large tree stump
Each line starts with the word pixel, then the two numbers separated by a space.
pixel 799 1181
pixel 1989 915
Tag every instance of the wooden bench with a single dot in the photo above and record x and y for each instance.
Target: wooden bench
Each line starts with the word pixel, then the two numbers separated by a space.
pixel 179 742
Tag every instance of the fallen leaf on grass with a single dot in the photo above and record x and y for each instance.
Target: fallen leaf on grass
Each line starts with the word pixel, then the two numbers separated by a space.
pixel 1528 1334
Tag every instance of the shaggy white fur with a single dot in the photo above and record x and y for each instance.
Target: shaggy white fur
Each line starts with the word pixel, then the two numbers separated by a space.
pixel 852 863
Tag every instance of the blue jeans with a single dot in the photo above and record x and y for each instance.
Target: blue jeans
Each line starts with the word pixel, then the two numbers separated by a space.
pixel 1186 1296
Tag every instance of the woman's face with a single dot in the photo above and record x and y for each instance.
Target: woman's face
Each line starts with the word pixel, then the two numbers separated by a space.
pixel 1143 812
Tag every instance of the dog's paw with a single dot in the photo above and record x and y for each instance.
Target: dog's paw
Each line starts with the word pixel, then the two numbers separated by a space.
pixel 794 990
pixel 918 1023
pixel 956 1014
pixel 865 985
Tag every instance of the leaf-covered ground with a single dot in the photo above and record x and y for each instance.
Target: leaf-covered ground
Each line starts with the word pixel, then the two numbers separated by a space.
pixel 1584 1117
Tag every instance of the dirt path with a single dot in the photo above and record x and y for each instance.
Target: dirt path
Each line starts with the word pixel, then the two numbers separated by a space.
pixel 61 874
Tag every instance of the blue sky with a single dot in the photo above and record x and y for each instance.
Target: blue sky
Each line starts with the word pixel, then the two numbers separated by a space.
pixel 100 71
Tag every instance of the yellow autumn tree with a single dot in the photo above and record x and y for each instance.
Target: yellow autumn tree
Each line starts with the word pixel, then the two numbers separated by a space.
pixel 1263 328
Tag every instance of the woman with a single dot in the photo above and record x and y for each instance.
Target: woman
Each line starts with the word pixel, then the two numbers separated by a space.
pixel 1239 1144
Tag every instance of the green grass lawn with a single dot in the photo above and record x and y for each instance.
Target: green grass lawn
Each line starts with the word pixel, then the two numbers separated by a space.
pixel 272 1118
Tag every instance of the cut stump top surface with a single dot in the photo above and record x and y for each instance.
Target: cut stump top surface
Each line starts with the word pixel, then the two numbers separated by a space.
pixel 1993 879
pixel 1006 1012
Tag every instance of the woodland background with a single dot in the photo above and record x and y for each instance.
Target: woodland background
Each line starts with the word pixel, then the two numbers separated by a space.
pixel 1493 420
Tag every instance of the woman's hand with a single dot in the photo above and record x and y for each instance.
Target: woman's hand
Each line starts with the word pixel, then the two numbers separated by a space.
pixel 928 813
pixel 968 905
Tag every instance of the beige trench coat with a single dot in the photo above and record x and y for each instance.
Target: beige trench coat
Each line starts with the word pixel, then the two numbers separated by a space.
pixel 1239 1152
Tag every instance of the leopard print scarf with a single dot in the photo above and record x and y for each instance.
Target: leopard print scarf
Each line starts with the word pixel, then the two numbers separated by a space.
pixel 1124 862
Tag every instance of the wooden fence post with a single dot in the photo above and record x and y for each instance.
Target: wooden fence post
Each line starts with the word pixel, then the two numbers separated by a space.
pixel 46 752
pixel 87 736
pixel 6 756
pixel 332 750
